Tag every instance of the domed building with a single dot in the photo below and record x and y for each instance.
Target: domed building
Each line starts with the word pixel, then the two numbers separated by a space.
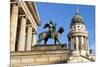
pixel 78 40
pixel 78 36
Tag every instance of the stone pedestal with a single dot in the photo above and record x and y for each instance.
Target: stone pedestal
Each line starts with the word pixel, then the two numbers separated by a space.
pixel 41 55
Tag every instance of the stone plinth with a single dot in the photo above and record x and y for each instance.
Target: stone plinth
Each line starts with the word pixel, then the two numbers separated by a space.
pixel 49 47
pixel 40 55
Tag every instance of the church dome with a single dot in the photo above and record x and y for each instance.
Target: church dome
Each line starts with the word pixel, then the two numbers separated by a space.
pixel 77 18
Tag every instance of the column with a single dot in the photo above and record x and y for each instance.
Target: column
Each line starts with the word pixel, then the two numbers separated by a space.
pixel 13 26
pixel 86 43
pixel 29 37
pixel 71 44
pixel 77 47
pixel 33 38
pixel 82 43
pixel 21 42
pixel 74 44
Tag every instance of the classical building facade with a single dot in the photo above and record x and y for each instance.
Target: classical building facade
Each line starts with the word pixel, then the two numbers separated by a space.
pixel 24 23
pixel 24 20
pixel 78 36
pixel 78 40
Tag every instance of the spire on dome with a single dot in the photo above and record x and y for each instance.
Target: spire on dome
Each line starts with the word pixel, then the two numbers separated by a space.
pixel 77 11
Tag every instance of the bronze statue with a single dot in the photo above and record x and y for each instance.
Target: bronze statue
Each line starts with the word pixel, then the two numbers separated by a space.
pixel 51 33
pixel 51 27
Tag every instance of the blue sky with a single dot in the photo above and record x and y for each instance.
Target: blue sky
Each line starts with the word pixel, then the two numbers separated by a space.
pixel 61 14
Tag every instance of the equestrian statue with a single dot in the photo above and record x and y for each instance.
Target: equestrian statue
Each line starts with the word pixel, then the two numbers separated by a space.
pixel 52 33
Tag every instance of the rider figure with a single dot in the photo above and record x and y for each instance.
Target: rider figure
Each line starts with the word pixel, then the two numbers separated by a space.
pixel 51 28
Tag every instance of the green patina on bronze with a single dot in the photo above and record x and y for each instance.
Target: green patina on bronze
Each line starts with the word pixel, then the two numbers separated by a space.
pixel 52 33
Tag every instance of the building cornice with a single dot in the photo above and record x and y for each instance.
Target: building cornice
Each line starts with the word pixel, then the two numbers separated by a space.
pixel 28 14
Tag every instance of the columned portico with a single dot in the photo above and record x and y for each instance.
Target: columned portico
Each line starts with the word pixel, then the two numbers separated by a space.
pixel 24 20
pixel 21 41
pixel 13 26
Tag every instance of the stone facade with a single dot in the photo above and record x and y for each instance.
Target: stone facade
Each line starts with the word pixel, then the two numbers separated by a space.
pixel 24 20
pixel 24 51
pixel 78 41
pixel 40 55
pixel 78 36
pixel 24 23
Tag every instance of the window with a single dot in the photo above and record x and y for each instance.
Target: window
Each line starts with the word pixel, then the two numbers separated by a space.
pixel 78 26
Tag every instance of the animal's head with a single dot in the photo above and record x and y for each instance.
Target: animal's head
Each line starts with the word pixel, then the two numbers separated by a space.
pixel 61 30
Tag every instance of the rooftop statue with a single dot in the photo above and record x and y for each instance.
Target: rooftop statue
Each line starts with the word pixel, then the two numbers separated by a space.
pixel 51 33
